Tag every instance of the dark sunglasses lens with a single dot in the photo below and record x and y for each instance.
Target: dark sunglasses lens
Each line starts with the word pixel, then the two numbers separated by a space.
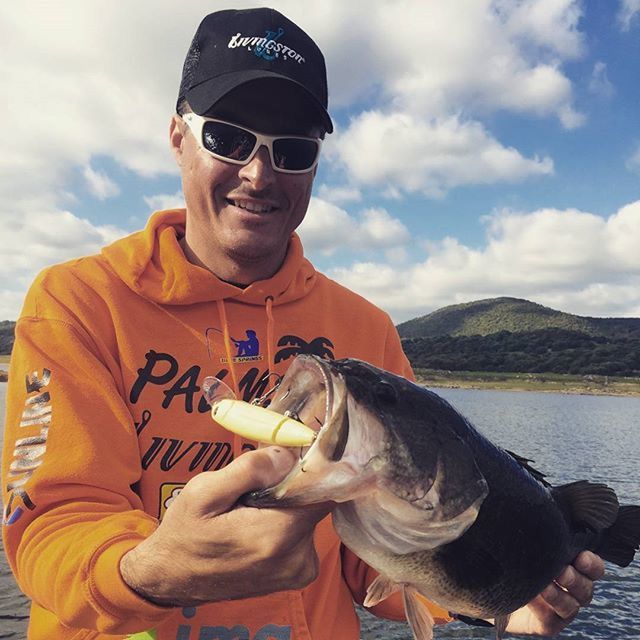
pixel 227 140
pixel 292 154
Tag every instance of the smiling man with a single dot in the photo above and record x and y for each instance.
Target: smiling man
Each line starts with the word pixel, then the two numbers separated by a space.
pixel 121 509
pixel 249 191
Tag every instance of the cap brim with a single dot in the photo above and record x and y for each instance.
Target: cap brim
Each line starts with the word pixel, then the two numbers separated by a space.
pixel 205 95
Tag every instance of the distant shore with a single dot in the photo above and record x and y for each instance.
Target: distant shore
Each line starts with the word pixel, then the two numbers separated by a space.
pixel 4 365
pixel 540 382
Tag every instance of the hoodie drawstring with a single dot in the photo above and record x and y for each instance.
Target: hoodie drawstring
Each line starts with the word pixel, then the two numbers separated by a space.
pixel 268 303
pixel 237 441
pixel 227 345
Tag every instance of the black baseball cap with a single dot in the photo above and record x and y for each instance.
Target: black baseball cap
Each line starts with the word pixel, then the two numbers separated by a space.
pixel 234 47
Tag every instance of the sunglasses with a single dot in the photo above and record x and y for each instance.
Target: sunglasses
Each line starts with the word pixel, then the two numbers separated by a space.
pixel 235 144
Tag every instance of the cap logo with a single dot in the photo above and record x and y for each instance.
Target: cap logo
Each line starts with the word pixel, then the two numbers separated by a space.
pixel 267 46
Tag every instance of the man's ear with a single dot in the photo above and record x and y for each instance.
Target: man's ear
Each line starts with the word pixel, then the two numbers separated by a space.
pixel 176 137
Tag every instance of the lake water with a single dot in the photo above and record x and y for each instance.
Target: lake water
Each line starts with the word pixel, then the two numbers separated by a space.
pixel 570 437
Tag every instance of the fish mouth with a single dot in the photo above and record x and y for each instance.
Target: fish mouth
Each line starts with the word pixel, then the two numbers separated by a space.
pixel 330 469
pixel 307 393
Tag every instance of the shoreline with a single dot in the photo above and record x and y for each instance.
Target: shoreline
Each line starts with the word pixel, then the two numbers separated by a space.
pixel 522 382
pixel 559 383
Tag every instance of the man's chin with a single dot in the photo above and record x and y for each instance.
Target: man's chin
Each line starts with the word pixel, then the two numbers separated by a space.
pixel 254 252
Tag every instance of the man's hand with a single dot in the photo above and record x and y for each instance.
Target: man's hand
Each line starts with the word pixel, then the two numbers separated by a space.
pixel 559 603
pixel 209 548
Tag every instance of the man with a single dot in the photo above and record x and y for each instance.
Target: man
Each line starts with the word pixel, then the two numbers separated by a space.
pixel 120 492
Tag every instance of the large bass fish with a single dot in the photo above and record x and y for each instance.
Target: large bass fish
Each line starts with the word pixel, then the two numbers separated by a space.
pixel 429 502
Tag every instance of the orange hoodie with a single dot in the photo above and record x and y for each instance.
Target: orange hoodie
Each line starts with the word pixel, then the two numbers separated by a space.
pixel 106 423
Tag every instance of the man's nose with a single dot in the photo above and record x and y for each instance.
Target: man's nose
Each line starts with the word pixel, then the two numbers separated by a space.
pixel 259 172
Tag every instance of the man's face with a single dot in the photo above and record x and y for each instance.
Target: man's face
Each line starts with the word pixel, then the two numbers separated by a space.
pixel 244 215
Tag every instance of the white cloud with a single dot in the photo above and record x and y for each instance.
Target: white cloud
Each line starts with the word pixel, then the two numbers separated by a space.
pixel 476 55
pixel 110 88
pixel 327 228
pixel 403 152
pixel 99 184
pixel 629 9
pixel 38 238
pixel 621 235
pixel 84 80
pixel 599 83
pixel 379 230
pixel 572 260
pixel 339 194
pixel 633 161
pixel 550 24
pixel 80 80
pixel 162 201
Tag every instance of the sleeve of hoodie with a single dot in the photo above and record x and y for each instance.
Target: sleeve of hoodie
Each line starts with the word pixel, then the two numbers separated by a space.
pixel 357 573
pixel 70 460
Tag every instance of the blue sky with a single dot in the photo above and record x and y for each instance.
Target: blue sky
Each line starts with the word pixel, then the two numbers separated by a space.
pixel 482 147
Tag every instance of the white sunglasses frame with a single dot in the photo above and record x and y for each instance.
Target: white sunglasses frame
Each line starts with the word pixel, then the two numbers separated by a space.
pixel 196 124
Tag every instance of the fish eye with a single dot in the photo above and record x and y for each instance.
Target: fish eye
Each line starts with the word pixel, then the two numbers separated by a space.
pixel 385 392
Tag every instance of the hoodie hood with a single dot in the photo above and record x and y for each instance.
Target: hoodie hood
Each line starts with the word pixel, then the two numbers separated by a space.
pixel 152 263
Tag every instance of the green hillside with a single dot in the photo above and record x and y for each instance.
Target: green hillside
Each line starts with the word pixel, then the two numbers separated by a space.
pixel 485 317
pixel 507 335
pixel 6 336
pixel 513 335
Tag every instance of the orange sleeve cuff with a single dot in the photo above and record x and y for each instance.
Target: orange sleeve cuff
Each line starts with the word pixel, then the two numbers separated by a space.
pixel 114 597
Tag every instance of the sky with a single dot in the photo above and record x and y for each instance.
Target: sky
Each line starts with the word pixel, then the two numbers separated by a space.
pixel 482 148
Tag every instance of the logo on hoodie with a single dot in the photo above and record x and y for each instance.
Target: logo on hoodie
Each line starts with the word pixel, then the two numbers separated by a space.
pixel 295 346
pixel 247 349
pixel 239 631
pixel 30 449
pixel 169 491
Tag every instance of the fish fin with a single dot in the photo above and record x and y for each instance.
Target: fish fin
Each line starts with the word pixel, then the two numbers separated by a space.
pixel 418 615
pixel 621 540
pixel 588 504
pixel 524 463
pixel 501 623
pixel 380 589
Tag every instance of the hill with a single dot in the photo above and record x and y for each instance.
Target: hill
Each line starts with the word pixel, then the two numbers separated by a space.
pixel 507 335
pixel 485 317
pixel 514 335
pixel 7 328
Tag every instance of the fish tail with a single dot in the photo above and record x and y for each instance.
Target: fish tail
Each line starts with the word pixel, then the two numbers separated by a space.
pixel 619 543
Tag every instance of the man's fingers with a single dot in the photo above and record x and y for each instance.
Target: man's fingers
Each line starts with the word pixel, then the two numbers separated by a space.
pixel 537 618
pixel 562 603
pixel 590 565
pixel 576 584
pixel 215 492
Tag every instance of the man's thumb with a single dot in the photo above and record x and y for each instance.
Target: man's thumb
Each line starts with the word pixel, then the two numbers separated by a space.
pixel 218 491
